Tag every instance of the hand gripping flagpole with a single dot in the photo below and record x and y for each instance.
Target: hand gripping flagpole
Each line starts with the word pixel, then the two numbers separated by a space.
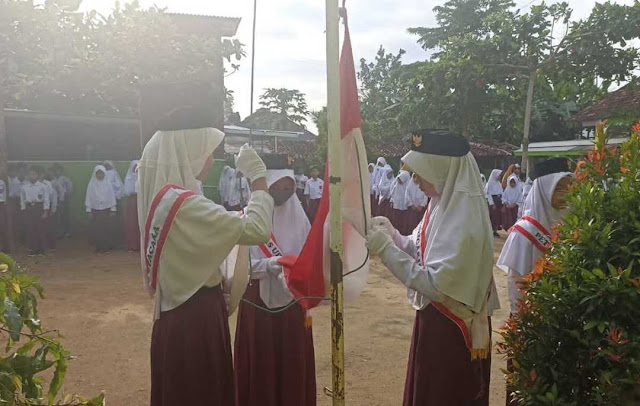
pixel 335 199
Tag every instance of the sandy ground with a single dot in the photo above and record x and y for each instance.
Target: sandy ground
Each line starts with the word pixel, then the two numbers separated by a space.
pixel 99 305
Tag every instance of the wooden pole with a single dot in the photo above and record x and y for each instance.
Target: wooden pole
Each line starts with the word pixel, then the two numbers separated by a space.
pixel 527 122
pixel 335 200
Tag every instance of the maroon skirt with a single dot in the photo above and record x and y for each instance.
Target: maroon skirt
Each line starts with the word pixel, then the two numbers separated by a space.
pixel 374 205
pixel 274 357
pixel 495 212
pixel 191 361
pixel 414 218
pixel 401 221
pixel 440 370
pixel 509 216
pixel 385 209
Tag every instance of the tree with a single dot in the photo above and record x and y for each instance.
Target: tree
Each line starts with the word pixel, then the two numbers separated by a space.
pixel 289 103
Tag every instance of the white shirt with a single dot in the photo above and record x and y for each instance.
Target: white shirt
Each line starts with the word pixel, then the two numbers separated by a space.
pixel 3 192
pixel 238 192
pixel 398 191
pixel 313 188
pixel 53 195
pixel 15 185
pixel 34 193
pixel 301 181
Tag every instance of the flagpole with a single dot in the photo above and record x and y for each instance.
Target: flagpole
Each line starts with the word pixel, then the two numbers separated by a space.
pixel 335 201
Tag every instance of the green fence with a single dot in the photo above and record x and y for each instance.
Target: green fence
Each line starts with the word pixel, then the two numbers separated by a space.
pixel 80 174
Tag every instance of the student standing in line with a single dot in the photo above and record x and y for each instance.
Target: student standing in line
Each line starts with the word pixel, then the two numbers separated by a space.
pixel 417 201
pixel 223 186
pixel 447 266
pixel 399 201
pixel 301 183
pixel 64 218
pixel 313 193
pixel 4 212
pixel 493 191
pixel 51 221
pixel 130 193
pixel 16 181
pixel 100 201
pixel 384 193
pixel 372 189
pixel 274 356
pixel 35 205
pixel 511 197
pixel 238 191
pixel 378 173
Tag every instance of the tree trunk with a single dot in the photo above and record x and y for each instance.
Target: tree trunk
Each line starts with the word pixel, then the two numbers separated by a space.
pixel 4 170
pixel 527 122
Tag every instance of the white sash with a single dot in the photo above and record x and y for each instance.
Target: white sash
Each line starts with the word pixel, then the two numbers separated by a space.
pixel 271 249
pixel 535 232
pixel 164 208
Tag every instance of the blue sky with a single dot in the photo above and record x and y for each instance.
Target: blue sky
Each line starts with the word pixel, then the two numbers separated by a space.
pixel 290 37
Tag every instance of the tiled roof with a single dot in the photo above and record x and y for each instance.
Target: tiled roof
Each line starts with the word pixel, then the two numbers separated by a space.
pixel 626 99
pixel 206 24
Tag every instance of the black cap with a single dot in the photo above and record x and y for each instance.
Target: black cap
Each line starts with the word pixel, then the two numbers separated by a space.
pixel 439 142
pixel 277 161
pixel 550 166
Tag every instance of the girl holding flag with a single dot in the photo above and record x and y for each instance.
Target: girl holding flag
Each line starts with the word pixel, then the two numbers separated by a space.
pixel 447 266
pixel 273 354
pixel 185 241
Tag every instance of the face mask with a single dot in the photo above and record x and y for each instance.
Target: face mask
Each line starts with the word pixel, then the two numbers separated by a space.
pixel 280 196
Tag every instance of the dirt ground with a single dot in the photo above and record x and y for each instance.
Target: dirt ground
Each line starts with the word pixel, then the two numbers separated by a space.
pixel 98 303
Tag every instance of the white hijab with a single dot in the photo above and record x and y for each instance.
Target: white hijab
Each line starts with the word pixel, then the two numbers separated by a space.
pixel 459 241
pixel 385 183
pixel 512 195
pixel 415 196
pixel 493 186
pixel 378 172
pixel 290 229
pixel 372 175
pixel 518 253
pixel 131 179
pixel 100 195
pixel 114 178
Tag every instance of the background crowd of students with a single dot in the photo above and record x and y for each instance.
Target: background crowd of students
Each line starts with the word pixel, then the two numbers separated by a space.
pixel 506 193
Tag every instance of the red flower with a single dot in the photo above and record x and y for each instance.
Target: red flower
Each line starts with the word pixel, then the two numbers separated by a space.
pixel 636 128
pixel 615 357
pixel 575 235
pixel 533 375
pixel 615 336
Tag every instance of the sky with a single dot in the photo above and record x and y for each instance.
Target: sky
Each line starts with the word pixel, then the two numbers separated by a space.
pixel 290 41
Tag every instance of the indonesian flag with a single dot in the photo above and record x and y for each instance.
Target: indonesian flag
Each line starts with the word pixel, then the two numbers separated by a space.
pixel 309 275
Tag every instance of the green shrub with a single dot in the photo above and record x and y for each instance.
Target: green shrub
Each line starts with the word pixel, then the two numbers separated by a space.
pixel 29 349
pixel 576 338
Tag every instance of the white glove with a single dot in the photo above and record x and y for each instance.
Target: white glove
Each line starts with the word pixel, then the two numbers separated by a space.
pixel 249 163
pixel 382 222
pixel 378 239
pixel 273 267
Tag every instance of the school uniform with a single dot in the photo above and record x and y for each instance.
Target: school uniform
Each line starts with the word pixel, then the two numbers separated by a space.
pixel 378 172
pixel 313 189
pixel 35 203
pixel 100 201
pixel 130 194
pixel 372 195
pixel 493 193
pixel 65 188
pixel 447 266
pixel 238 193
pixel 417 201
pixel 223 185
pixel 384 194
pixel 301 183
pixel 399 202
pixel 52 219
pixel 4 212
pixel 186 269
pixel 18 229
pixel 273 353
pixel 511 197
pixel 529 239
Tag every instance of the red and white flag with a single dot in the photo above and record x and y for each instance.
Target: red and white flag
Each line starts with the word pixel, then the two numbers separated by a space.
pixel 309 275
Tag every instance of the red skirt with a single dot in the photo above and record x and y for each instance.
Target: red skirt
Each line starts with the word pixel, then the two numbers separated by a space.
pixel 131 227
pixel 401 221
pixel 509 216
pixel 495 212
pixel 440 370
pixel 274 357
pixel 385 209
pixel 191 360
pixel 374 205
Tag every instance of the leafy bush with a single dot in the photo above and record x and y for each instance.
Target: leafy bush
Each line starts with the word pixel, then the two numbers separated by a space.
pixel 576 337
pixel 29 350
